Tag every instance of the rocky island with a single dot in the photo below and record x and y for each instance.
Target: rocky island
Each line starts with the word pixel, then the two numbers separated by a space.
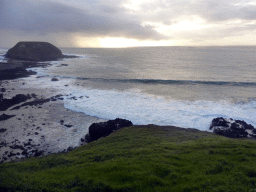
pixel 35 51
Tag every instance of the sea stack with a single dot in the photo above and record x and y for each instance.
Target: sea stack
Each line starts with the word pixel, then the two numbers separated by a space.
pixel 34 51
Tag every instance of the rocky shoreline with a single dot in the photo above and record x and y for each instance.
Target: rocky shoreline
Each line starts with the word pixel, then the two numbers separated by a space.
pixel 35 122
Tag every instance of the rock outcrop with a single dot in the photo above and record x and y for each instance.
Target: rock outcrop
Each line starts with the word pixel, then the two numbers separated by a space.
pixel 97 130
pixel 55 79
pixel 4 117
pixel 232 128
pixel 2 130
pixel 7 103
pixel 35 51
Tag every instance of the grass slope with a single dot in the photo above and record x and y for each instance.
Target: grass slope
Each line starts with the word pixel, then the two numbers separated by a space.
pixel 141 158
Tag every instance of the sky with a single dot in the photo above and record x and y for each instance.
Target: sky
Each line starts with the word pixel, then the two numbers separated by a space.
pixel 128 23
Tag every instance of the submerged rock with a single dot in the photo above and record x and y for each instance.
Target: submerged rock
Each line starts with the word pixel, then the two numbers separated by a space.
pixel 35 51
pixel 97 130
pixel 232 128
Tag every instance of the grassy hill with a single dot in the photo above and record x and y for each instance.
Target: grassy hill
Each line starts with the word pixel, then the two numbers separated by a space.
pixel 141 158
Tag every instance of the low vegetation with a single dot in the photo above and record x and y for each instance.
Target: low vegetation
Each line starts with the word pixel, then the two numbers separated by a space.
pixel 141 158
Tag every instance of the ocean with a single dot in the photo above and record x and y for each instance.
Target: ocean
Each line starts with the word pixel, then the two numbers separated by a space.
pixel 180 86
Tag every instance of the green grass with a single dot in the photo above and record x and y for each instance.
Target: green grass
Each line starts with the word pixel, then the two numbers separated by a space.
pixel 141 158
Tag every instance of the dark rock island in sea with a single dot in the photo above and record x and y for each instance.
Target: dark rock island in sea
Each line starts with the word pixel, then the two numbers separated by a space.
pixel 232 128
pixel 35 51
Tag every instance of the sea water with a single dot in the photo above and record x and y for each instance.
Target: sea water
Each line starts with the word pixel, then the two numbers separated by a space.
pixel 180 86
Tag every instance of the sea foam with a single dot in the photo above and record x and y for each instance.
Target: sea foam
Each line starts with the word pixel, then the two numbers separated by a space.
pixel 142 108
pixel 146 109
pixel 139 106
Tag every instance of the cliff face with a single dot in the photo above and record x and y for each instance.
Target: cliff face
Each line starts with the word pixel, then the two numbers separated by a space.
pixel 34 51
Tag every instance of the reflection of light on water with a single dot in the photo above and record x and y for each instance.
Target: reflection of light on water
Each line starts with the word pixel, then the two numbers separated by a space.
pixel 123 42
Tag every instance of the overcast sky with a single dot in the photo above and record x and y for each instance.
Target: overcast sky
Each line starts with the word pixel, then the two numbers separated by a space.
pixel 121 23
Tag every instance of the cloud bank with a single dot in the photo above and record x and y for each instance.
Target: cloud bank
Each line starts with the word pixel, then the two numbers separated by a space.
pixel 62 21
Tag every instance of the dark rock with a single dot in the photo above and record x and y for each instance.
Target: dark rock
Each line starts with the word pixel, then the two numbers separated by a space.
pixel 24 152
pixel 2 130
pixel 38 153
pixel 17 147
pixel 97 130
pixel 27 144
pixel 40 77
pixel 70 149
pixel 57 97
pixel 72 98
pixel 68 126
pixel 232 128
pixel 18 72
pixel 63 151
pixel 55 79
pixel 16 108
pixel 63 65
pixel 5 117
pixel 36 102
pixel 34 51
pixel 11 154
pixel 7 103
pixel 3 90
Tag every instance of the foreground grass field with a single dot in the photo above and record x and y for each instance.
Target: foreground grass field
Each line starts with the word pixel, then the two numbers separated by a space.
pixel 141 158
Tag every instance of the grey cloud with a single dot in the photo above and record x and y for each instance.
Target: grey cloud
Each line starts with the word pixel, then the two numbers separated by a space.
pixel 60 19
pixel 210 10
pixel 226 10
pixel 49 17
